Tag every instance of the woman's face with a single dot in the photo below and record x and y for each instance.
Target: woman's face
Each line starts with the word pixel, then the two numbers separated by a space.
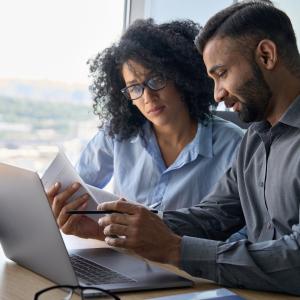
pixel 162 107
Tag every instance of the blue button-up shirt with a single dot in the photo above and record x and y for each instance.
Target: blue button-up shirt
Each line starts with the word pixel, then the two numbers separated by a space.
pixel 140 173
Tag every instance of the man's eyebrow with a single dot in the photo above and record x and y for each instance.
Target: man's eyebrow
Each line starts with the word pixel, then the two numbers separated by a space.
pixel 213 69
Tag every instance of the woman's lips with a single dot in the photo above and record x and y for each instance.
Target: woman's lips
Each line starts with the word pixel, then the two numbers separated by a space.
pixel 156 110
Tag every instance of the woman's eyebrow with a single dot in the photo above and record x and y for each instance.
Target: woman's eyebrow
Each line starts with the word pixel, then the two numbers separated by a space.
pixel 146 77
pixel 131 82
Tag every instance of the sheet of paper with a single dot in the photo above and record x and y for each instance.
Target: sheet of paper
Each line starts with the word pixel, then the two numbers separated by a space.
pixel 217 294
pixel 61 170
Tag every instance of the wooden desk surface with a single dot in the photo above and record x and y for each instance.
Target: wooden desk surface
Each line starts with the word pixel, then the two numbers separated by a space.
pixel 17 283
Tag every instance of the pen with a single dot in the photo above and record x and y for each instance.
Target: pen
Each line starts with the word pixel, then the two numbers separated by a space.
pixel 99 212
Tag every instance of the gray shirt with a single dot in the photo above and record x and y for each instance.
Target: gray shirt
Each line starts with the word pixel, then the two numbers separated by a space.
pixel 261 191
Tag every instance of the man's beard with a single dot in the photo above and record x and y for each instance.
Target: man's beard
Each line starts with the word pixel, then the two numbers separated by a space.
pixel 255 94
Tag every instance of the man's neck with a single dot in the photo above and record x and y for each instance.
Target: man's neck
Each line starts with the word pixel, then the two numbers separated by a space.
pixel 285 90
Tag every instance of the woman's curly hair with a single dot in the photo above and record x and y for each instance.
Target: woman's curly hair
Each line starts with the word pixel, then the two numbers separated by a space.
pixel 167 49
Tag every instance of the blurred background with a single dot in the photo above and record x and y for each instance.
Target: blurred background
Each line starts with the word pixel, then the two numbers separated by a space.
pixel 44 96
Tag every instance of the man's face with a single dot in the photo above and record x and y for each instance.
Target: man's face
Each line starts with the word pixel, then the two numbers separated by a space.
pixel 239 82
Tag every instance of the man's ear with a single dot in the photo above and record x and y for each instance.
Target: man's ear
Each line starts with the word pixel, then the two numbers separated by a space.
pixel 266 54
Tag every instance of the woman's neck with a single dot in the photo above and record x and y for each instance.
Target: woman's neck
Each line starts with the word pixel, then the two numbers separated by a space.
pixel 172 139
pixel 176 134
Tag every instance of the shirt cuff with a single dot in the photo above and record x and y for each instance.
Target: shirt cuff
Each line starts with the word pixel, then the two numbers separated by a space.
pixel 199 256
pixel 160 213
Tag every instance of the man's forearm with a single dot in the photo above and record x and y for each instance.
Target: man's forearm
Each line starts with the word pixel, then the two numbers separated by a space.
pixel 271 265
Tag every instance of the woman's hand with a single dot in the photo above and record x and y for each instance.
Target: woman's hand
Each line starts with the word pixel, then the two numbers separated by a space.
pixel 79 225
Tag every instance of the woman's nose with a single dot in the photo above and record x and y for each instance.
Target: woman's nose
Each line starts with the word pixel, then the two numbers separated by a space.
pixel 149 95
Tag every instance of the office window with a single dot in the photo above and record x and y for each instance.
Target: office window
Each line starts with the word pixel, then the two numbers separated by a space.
pixel 44 98
pixel 168 10
pixel 292 9
pixel 200 11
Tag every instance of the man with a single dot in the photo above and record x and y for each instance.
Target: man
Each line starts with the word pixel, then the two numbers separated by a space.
pixel 250 51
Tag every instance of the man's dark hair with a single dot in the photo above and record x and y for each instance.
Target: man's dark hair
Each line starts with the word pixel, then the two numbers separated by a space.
pixel 249 22
pixel 167 49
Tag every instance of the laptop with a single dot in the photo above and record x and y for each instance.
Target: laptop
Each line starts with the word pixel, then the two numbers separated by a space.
pixel 30 236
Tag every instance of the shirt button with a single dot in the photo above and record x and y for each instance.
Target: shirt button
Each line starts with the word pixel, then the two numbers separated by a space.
pixel 261 184
pixel 269 226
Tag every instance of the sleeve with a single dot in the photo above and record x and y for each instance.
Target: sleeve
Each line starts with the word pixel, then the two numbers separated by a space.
pixel 216 217
pixel 271 265
pixel 96 162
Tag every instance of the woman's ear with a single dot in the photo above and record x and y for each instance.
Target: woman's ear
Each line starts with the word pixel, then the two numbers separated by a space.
pixel 266 54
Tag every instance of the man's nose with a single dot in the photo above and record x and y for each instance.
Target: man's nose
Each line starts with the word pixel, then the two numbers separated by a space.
pixel 220 93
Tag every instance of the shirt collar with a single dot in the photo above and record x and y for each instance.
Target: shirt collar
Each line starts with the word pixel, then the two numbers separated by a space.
pixel 203 141
pixel 290 118
pixel 261 126
pixel 145 134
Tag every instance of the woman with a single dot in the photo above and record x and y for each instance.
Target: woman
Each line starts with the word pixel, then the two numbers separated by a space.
pixel 157 137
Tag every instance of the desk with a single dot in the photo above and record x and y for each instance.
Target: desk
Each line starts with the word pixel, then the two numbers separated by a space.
pixel 17 283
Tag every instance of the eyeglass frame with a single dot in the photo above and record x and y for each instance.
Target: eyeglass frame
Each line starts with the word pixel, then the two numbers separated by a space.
pixel 143 84
pixel 73 288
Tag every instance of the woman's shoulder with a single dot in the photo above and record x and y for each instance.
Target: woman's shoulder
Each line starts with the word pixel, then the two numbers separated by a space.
pixel 226 136
pixel 104 135
pixel 225 127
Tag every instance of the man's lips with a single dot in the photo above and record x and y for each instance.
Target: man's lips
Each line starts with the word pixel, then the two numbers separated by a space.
pixel 235 105
pixel 229 104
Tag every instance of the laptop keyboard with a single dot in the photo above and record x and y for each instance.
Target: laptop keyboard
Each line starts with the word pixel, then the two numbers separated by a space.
pixel 95 274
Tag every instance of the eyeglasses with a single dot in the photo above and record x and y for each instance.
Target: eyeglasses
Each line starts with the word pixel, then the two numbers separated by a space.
pixel 136 91
pixel 66 292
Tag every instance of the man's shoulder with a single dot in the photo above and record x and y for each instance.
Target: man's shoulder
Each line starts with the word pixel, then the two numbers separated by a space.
pixel 250 144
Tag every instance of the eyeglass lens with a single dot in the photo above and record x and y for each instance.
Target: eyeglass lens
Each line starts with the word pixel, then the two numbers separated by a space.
pixel 136 91
pixel 69 294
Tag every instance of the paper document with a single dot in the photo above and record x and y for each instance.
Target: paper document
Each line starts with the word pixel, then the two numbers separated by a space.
pixel 217 294
pixel 61 170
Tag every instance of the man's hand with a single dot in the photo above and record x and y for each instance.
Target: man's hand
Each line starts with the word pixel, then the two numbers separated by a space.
pixel 79 225
pixel 140 230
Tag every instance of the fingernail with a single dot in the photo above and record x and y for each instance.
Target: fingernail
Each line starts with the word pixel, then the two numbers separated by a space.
pixel 75 185
pixel 86 196
pixel 56 185
pixel 83 206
